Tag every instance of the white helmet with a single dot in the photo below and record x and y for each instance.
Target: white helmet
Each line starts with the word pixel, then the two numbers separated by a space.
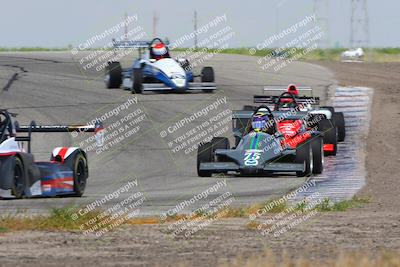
pixel 159 49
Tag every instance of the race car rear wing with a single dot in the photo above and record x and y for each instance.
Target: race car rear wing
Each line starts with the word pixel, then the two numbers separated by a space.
pixel 33 128
pixel 130 44
pixel 279 89
pixel 97 128
pixel 273 99
pixel 287 115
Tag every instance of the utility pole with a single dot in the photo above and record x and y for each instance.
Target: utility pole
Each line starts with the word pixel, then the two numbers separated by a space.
pixel 359 24
pixel 195 29
pixel 126 27
pixel 277 25
pixel 321 12
pixel 155 22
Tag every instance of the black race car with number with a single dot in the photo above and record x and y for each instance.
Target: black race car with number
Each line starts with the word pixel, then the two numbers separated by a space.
pixel 333 124
pixel 260 153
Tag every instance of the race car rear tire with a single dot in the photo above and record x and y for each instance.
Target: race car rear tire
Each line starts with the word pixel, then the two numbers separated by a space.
pixel 18 183
pixel 249 108
pixel 207 76
pixel 114 73
pixel 317 145
pixel 338 117
pixel 330 108
pixel 304 154
pixel 137 81
pixel 329 130
pixel 80 174
pixel 204 154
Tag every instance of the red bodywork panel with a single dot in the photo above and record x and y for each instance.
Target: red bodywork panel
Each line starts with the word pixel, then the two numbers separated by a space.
pixel 293 132
pixel 328 147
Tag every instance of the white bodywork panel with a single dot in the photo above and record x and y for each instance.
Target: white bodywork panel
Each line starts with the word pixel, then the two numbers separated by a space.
pixel 36 188
pixel 325 112
pixel 9 145
pixel 170 67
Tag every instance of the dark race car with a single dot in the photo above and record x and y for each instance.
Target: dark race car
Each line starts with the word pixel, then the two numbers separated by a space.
pixel 21 176
pixel 261 149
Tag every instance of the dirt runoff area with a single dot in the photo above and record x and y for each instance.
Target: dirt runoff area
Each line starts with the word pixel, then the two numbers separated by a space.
pixel 371 228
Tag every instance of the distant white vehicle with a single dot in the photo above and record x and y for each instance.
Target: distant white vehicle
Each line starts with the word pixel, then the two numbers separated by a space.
pixel 353 55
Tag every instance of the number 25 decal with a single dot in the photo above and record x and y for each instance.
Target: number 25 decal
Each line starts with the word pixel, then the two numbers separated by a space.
pixel 251 158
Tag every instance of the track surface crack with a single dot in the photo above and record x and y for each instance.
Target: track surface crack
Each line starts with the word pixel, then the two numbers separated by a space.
pixel 14 77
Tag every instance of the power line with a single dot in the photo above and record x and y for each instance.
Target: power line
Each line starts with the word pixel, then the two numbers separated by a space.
pixel 155 23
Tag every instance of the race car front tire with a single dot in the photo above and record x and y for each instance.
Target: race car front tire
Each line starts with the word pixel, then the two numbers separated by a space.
pixel 204 154
pixel 304 154
pixel 249 108
pixel 338 117
pixel 329 130
pixel 220 143
pixel 113 75
pixel 317 145
pixel 80 173
pixel 207 76
pixel 18 183
pixel 137 81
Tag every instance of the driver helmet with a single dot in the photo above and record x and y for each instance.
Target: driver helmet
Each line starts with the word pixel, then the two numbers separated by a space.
pixel 293 89
pixel 159 51
pixel 259 121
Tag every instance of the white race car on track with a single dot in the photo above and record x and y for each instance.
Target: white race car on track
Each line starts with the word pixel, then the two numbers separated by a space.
pixel 155 70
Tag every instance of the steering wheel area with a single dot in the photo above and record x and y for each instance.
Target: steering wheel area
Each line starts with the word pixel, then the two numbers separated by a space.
pixel 5 122
pixel 286 98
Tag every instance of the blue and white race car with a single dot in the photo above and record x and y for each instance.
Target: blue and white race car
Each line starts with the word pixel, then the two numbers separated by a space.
pixel 155 70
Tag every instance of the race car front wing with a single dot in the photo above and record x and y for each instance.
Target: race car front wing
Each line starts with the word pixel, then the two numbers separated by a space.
pixel 268 167
pixel 192 86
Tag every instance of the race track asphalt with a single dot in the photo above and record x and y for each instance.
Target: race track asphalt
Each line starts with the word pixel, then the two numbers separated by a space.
pixel 53 88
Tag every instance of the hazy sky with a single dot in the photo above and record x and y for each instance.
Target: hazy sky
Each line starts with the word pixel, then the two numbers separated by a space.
pixel 52 23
